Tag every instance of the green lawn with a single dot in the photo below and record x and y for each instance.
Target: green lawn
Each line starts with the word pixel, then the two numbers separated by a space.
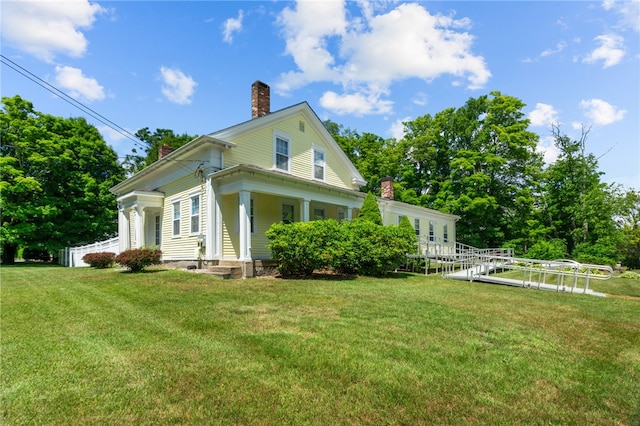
pixel 82 346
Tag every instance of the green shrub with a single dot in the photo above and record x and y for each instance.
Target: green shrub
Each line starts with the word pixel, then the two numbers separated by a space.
pixel 101 260
pixel 631 275
pixel 370 211
pixel 358 247
pixel 547 250
pixel 603 252
pixel 137 259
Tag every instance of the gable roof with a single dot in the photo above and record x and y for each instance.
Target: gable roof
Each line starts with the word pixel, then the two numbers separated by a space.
pixel 282 114
pixel 220 138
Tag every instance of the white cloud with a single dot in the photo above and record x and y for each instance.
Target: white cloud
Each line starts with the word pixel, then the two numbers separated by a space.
pixel 357 104
pixel 546 146
pixel 629 12
pixel 611 50
pixel 559 48
pixel 601 112
pixel 366 54
pixel 543 115
pixel 78 85
pixel 397 129
pixel 47 27
pixel 231 26
pixel 177 87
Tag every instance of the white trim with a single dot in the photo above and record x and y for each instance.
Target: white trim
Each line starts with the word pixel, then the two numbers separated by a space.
pixel 316 148
pixel 173 217
pixel 191 215
pixel 284 137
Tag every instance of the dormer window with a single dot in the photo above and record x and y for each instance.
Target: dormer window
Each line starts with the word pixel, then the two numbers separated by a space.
pixel 282 153
pixel 318 163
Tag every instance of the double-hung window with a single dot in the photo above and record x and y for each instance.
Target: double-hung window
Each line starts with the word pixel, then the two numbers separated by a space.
pixel 416 226
pixel 195 214
pixel 318 163
pixel 176 218
pixel 445 233
pixel 318 214
pixel 282 153
pixel 157 229
pixel 432 230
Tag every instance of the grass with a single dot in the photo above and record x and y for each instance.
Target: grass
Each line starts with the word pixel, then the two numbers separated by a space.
pixel 82 346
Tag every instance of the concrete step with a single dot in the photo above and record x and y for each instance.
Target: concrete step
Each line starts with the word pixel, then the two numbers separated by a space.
pixel 225 272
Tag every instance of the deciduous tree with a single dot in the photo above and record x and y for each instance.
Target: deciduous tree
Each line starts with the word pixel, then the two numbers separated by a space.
pixel 56 174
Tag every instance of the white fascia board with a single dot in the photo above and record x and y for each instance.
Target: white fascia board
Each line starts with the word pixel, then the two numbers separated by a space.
pixel 149 176
pixel 399 207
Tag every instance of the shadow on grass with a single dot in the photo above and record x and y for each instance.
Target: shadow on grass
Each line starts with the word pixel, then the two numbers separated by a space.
pixel 32 264
pixel 332 276
pixel 144 271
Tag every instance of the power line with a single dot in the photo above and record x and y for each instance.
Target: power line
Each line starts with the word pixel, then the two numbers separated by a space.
pixel 65 97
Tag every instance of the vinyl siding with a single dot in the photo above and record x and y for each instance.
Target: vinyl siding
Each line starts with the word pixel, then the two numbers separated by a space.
pixel 266 212
pixel 230 237
pixel 183 246
pixel 257 148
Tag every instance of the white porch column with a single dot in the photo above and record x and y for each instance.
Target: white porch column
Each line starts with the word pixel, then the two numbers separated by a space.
pixel 304 214
pixel 124 233
pixel 210 249
pixel 139 226
pixel 349 213
pixel 244 211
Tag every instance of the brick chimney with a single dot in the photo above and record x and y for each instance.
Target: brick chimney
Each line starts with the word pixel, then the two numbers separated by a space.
pixel 164 151
pixel 260 99
pixel 386 188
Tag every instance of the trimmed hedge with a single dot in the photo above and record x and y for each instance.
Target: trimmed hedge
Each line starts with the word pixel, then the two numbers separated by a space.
pixel 358 247
pixel 137 259
pixel 102 260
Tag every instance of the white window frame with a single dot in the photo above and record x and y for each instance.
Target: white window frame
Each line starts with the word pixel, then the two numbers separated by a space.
pixel 400 216
pixel 445 233
pixel 176 218
pixel 319 150
pixel 416 226
pixel 432 230
pixel 286 138
pixel 193 216
pixel 157 230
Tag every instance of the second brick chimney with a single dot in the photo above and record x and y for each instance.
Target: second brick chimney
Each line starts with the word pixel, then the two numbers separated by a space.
pixel 260 99
pixel 164 151
pixel 386 188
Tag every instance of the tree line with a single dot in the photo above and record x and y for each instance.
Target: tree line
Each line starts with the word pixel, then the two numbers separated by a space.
pixel 478 161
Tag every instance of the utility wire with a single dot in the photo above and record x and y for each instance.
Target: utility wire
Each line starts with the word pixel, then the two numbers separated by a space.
pixel 65 97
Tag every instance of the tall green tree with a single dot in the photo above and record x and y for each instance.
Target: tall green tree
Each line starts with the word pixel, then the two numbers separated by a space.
pixel 55 179
pixel 577 207
pixel 478 161
pixel 135 162
pixel 374 157
pixel 629 221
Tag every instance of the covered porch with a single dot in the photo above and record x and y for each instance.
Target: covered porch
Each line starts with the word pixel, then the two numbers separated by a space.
pixel 247 200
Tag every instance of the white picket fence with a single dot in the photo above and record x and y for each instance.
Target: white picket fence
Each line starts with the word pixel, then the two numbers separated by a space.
pixel 72 256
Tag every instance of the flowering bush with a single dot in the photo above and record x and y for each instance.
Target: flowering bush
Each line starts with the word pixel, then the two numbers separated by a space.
pixel 101 260
pixel 138 259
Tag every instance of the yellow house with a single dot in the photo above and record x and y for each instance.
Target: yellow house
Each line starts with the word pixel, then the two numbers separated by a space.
pixel 213 199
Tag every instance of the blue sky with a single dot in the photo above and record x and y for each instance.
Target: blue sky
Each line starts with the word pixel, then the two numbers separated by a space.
pixel 188 66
